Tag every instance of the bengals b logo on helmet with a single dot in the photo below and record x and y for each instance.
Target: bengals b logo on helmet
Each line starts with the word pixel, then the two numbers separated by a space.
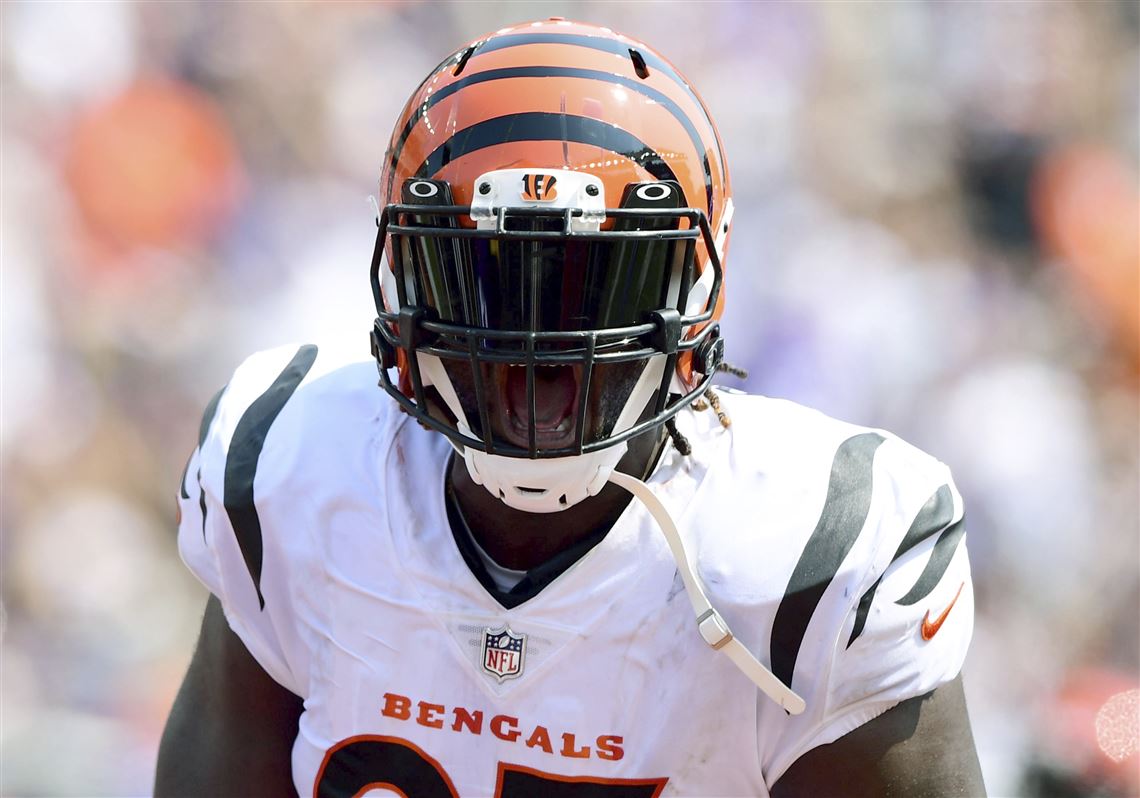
pixel 539 187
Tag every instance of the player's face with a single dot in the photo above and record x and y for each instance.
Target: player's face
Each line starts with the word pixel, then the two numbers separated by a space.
pixel 557 390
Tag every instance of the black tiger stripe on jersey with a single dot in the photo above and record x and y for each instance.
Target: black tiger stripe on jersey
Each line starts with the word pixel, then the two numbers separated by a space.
pixel 541 126
pixel 245 449
pixel 936 566
pixel 862 611
pixel 202 502
pixel 935 516
pixel 182 480
pixel 550 72
pixel 208 415
pixel 840 522
pixel 203 428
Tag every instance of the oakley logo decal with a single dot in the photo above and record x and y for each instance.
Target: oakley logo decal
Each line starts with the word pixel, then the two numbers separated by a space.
pixel 539 187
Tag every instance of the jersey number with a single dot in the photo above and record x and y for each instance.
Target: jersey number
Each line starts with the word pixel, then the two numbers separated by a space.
pixel 366 762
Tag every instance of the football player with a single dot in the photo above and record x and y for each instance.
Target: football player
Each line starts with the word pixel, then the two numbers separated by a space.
pixel 583 572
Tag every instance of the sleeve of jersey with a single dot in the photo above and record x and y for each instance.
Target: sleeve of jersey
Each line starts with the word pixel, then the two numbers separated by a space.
pixel 910 622
pixel 220 537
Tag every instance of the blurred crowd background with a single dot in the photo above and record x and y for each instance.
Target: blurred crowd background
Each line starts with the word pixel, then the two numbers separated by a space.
pixel 936 233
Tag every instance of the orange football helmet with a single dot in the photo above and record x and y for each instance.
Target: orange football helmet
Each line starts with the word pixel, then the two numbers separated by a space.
pixel 555 214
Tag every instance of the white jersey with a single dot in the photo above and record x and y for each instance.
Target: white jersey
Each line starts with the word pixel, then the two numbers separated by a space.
pixel 315 511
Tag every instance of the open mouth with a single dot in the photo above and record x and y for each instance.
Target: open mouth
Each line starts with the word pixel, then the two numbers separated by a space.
pixel 555 401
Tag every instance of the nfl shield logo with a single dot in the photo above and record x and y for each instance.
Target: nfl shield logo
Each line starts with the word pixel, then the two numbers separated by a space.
pixel 503 652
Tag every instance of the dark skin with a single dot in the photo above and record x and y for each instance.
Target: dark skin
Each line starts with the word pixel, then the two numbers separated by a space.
pixel 921 747
pixel 231 730
pixel 232 727
pixel 521 540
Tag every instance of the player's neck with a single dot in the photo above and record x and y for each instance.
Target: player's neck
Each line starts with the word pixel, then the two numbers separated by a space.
pixel 520 540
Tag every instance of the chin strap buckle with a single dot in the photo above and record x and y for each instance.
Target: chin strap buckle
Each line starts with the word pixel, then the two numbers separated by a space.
pixel 711 625
pixel 713 629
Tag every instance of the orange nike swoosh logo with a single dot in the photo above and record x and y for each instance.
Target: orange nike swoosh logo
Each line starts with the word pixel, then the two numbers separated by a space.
pixel 929 628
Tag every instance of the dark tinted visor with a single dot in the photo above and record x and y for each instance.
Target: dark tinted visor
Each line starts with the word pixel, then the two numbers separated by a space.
pixel 528 275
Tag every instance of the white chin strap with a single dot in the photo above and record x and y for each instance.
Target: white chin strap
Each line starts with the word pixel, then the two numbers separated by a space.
pixel 712 626
pixel 551 484
pixel 542 486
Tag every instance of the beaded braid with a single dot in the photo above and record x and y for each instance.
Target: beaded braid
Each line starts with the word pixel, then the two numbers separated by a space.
pixel 735 371
pixel 710 400
pixel 680 442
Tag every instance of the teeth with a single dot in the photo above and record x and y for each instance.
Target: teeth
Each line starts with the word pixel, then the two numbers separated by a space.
pixel 550 423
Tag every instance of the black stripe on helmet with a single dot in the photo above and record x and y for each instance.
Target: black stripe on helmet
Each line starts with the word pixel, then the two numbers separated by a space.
pixel 245 450
pixel 551 72
pixel 605 45
pixel 842 519
pixel 546 127
pixel 451 61
pixel 447 63
pixel 935 515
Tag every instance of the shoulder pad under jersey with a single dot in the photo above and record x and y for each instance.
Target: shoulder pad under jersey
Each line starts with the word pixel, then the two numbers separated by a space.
pixel 266 442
